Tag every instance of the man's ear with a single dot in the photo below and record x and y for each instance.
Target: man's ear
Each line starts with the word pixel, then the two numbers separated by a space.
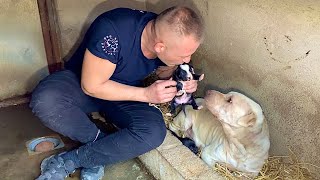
pixel 247 120
pixel 159 47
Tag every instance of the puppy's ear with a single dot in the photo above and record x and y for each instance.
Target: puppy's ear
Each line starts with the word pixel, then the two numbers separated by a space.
pixel 176 74
pixel 198 77
pixel 191 69
pixel 248 120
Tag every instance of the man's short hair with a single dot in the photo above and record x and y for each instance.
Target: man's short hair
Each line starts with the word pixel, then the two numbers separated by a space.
pixel 183 21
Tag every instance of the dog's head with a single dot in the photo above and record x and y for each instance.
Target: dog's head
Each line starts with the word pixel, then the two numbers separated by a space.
pixel 184 72
pixel 234 109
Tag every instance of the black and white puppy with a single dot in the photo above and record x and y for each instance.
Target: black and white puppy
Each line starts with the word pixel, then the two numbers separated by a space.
pixel 184 72
pixel 189 143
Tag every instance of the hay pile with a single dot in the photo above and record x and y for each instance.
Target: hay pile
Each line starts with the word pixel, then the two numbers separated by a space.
pixel 275 168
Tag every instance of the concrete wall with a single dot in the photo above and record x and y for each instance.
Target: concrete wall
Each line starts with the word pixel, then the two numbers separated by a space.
pixel 75 16
pixel 268 50
pixel 22 55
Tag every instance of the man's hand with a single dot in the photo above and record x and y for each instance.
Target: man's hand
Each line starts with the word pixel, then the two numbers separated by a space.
pixel 192 85
pixel 161 91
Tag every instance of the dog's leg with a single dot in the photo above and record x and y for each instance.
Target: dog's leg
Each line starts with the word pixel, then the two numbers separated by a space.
pixel 207 157
pixel 194 104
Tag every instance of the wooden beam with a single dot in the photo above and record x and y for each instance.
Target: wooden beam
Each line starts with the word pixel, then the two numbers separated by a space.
pixel 51 34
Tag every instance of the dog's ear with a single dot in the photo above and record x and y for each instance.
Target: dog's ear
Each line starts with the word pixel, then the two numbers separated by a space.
pixel 176 74
pixel 198 77
pixel 248 120
pixel 191 69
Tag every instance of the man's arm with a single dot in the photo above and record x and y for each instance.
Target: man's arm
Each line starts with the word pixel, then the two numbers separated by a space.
pixel 95 82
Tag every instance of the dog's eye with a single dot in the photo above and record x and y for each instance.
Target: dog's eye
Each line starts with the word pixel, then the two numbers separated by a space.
pixel 229 100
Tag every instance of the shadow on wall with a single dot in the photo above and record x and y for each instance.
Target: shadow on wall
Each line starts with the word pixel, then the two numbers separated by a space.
pixel 35 78
pixel 95 12
pixel 153 5
pixel 149 5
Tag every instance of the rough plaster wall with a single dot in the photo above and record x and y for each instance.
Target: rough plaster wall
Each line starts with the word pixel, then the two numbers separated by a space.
pixel 268 50
pixel 22 54
pixel 75 16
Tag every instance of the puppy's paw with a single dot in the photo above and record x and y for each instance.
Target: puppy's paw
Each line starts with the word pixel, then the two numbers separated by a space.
pixel 168 114
pixel 199 107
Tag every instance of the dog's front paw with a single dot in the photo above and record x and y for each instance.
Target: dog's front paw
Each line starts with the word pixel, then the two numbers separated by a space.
pixel 168 114
pixel 199 107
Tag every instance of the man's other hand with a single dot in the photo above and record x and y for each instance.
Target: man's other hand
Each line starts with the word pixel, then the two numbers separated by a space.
pixel 161 91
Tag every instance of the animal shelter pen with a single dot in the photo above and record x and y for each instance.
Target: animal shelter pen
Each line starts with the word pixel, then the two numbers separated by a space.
pixel 267 50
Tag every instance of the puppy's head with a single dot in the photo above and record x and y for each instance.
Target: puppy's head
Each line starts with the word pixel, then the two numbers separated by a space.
pixel 234 109
pixel 184 72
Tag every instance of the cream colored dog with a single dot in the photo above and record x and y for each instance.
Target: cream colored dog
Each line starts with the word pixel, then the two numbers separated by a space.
pixel 230 129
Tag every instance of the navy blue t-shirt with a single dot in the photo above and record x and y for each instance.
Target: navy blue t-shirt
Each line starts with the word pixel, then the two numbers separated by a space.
pixel 116 36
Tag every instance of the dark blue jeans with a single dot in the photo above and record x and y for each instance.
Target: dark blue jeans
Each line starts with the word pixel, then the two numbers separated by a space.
pixel 61 105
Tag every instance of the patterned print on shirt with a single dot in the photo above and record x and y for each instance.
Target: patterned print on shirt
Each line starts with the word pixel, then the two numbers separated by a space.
pixel 110 45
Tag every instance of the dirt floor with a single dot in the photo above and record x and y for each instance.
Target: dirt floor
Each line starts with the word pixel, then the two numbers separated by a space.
pixel 18 125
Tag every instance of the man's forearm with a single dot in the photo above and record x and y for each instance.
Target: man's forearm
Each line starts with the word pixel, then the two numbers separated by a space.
pixel 114 91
